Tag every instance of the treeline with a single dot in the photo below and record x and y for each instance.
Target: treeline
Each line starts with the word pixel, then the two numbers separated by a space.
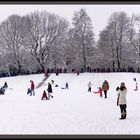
pixel 39 41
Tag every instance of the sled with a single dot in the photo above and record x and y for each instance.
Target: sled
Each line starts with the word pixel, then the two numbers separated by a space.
pixel 96 92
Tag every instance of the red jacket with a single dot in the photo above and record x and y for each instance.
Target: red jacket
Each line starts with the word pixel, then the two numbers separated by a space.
pixel 44 94
pixel 32 85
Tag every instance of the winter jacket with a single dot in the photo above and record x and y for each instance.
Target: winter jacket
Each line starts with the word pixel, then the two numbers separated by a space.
pixel 44 94
pixel 49 88
pixel 5 85
pixel 28 90
pixel 89 84
pixel 100 91
pixel 105 86
pixel 32 85
pixel 122 96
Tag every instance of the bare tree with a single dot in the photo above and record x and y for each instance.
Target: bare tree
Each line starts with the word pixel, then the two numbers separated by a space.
pixel 119 23
pixel 107 47
pixel 11 39
pixel 83 36
pixel 134 34
pixel 44 32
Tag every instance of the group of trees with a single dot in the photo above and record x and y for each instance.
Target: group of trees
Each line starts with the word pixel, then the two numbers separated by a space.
pixel 120 41
pixel 40 40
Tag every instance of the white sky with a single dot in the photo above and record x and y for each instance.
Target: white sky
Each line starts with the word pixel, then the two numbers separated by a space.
pixel 99 14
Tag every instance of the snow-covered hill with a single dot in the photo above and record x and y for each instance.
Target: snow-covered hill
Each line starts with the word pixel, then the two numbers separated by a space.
pixel 72 111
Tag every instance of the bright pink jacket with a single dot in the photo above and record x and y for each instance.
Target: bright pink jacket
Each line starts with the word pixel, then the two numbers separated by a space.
pixel 100 91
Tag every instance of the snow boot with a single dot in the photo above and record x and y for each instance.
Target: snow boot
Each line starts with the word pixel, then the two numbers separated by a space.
pixel 125 115
pixel 122 116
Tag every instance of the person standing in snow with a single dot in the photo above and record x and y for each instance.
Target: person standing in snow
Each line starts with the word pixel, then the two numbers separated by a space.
pixel 49 91
pixel 136 84
pixel 5 85
pixel 32 88
pixel 105 88
pixel 89 87
pixel 100 91
pixel 122 91
pixel 66 86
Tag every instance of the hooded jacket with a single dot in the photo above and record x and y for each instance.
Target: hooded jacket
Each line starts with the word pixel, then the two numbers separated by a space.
pixel 122 96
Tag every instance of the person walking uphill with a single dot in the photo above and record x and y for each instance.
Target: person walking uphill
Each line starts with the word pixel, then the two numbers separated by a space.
pixel 122 100
pixel 49 91
pixel 105 88
pixel 32 88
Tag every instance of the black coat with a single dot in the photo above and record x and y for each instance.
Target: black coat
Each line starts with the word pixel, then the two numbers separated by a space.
pixel 50 88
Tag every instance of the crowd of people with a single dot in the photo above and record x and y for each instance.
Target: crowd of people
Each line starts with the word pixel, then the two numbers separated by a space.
pixel 89 69
pixel 102 91
pixel 121 93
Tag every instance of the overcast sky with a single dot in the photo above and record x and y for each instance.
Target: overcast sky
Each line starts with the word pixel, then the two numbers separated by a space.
pixel 99 14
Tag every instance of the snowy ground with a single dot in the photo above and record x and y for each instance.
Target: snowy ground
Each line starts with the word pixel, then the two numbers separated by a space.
pixel 73 111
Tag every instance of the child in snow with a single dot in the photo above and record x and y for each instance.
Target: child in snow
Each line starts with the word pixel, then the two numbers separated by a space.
pixel 136 85
pixel 28 90
pixel 44 95
pixel 99 91
pixel 32 88
pixel 89 87
pixel 66 86
pixel 5 85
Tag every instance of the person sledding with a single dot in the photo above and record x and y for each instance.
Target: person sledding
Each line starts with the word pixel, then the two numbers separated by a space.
pixel 99 91
pixel 2 90
pixel 28 91
pixel 44 95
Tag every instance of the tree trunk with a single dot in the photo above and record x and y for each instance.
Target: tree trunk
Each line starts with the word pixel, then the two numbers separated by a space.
pixel 118 61
pixel 113 55
pixel 19 67
pixel 84 58
pixel 41 65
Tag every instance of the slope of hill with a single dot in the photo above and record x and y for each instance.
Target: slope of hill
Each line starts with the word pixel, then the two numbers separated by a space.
pixel 72 111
